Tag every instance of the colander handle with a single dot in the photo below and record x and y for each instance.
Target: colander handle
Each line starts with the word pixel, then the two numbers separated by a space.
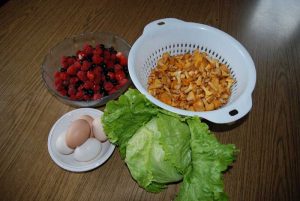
pixel 157 24
pixel 233 112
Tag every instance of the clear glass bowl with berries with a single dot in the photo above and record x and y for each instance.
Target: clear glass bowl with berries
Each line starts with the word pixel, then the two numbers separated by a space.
pixel 88 69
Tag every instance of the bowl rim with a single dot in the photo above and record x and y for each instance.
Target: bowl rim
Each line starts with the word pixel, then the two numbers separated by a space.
pixel 73 102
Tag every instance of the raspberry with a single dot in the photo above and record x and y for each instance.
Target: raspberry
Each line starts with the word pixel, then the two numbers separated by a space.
pixel 90 75
pixel 73 80
pixel 109 64
pixel 56 74
pixel 85 66
pixel 97 96
pixel 79 95
pixel 88 49
pixel 77 64
pixel 113 57
pixel 81 55
pixel 123 61
pixel 86 97
pixel 71 91
pixel 108 86
pixel 117 67
pixel 88 84
pixel 81 75
pixel 123 81
pixel 64 76
pixel 97 59
pixel 72 70
pixel 111 75
pixel 113 90
pixel 63 92
pixel 98 51
pixel 70 60
pixel 106 54
pixel 120 75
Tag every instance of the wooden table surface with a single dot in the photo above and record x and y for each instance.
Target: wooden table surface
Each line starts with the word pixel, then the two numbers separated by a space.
pixel 268 165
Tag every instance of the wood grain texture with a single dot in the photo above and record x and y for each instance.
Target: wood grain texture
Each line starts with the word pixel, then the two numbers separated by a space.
pixel 268 165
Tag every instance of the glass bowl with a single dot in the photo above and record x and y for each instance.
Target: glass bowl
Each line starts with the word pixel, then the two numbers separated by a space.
pixel 69 47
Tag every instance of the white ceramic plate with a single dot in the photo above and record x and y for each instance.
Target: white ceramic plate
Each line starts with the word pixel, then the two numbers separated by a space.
pixel 68 162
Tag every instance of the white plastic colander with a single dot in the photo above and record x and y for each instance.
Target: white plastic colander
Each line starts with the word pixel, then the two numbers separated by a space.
pixel 178 37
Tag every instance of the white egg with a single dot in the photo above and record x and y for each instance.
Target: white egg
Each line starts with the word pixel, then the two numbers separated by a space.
pixel 98 130
pixel 62 146
pixel 88 150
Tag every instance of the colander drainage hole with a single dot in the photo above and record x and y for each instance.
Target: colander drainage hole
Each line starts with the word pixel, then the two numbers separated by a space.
pixel 233 112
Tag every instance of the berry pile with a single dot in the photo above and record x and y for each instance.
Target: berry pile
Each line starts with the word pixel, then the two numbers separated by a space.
pixel 92 73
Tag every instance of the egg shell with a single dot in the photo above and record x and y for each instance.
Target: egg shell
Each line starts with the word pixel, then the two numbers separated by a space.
pixel 98 130
pixel 89 119
pixel 62 146
pixel 78 132
pixel 88 150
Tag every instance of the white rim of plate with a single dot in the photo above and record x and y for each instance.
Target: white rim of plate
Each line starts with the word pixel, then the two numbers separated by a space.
pixel 90 165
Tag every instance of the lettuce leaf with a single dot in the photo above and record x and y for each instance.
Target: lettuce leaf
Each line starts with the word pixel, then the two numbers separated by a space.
pixel 122 118
pixel 203 179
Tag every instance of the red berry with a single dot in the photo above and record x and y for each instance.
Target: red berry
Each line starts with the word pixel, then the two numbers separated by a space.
pixel 96 87
pixel 120 75
pixel 111 75
pixel 97 59
pixel 63 92
pixel 81 55
pixel 109 64
pixel 88 49
pixel 77 64
pixel 97 96
pixel 73 80
pixel 81 75
pixel 113 57
pixel 97 71
pixel 86 97
pixel 113 90
pixel 79 95
pixel 73 97
pixel 123 61
pixel 123 81
pixel 71 91
pixel 97 51
pixel 88 84
pixel 119 54
pixel 108 86
pixel 118 67
pixel 85 65
pixel 90 75
pixel 70 60
pixel 106 54
pixel 56 74
pixel 64 76
pixel 72 70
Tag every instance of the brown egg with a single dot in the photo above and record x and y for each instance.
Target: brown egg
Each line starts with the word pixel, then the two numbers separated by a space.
pixel 89 119
pixel 78 132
